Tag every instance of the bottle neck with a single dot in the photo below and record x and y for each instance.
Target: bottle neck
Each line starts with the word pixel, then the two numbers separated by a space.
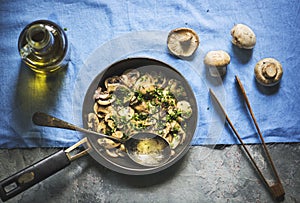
pixel 39 38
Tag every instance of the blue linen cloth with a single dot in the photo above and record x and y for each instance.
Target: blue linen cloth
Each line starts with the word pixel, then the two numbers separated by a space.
pixel 96 24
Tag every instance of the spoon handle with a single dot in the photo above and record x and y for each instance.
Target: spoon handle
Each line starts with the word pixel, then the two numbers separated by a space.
pixel 43 119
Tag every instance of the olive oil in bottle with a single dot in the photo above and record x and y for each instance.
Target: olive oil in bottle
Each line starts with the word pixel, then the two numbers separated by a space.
pixel 43 46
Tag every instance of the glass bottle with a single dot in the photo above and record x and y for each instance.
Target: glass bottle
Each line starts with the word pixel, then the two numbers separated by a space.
pixel 43 46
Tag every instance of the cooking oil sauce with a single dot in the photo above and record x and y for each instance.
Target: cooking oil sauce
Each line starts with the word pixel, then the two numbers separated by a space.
pixel 43 46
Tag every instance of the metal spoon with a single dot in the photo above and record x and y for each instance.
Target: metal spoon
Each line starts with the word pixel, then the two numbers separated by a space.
pixel 147 149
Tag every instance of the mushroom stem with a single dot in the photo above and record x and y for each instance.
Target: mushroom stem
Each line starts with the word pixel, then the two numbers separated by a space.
pixel 185 40
pixel 217 71
pixel 269 70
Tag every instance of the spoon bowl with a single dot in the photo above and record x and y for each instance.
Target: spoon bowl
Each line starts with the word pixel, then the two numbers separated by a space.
pixel 144 148
pixel 148 148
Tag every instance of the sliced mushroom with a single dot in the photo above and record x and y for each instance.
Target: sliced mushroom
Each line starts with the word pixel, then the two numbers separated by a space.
pixel 149 122
pixel 93 121
pixel 144 84
pixel 102 128
pixel 105 110
pixel 216 62
pixel 152 109
pixel 118 134
pixel 160 81
pixel 147 87
pixel 132 75
pixel 176 134
pixel 268 72
pixel 97 93
pixel 107 101
pixel 175 126
pixel 243 36
pixel 179 119
pixel 111 124
pixel 169 138
pixel 107 143
pixel 122 147
pixel 129 77
pixel 175 141
pixel 103 95
pixel 108 117
pixel 182 133
pixel 126 113
pixel 103 102
pixel 123 94
pixel 112 153
pixel 95 107
pixel 166 130
pixel 142 107
pixel 112 83
pixel 120 153
pixel 185 108
pixel 183 42
pixel 172 84
pixel 176 88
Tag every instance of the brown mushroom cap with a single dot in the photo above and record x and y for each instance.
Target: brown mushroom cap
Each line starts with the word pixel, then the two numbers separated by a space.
pixel 243 36
pixel 268 71
pixel 183 42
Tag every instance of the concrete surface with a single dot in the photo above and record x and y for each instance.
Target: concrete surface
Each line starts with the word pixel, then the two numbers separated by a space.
pixel 224 175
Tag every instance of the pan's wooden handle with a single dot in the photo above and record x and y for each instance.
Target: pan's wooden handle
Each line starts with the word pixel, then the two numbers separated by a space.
pixel 32 175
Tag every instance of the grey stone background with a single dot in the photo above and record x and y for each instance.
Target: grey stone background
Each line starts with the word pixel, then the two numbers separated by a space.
pixel 226 175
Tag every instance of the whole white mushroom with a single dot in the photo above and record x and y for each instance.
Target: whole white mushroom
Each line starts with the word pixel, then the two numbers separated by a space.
pixel 216 62
pixel 243 36
pixel 183 42
pixel 268 72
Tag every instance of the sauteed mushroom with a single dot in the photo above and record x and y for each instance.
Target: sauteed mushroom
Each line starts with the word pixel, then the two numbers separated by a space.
pixel 93 121
pixel 129 77
pixel 107 101
pixel 134 102
pixel 112 83
pixel 185 108
pixel 107 143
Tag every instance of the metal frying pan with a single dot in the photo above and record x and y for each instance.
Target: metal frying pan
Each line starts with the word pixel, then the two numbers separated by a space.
pixel 48 166
pixel 121 164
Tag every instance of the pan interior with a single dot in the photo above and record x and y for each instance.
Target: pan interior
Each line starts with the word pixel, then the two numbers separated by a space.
pixel 143 65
